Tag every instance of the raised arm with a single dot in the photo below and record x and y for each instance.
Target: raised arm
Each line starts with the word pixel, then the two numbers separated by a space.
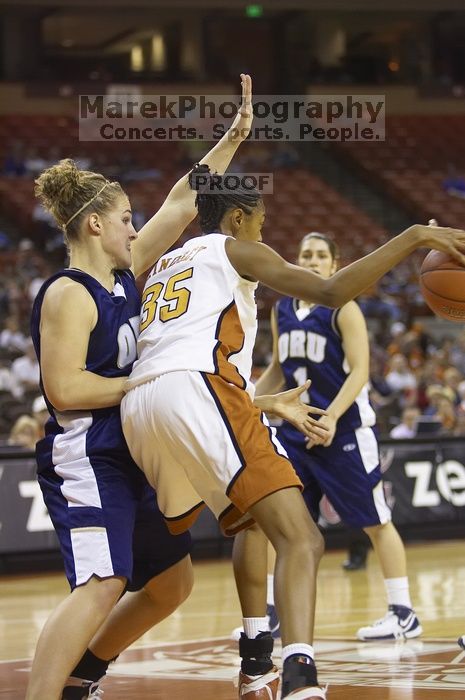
pixel 68 316
pixel 259 262
pixel 178 209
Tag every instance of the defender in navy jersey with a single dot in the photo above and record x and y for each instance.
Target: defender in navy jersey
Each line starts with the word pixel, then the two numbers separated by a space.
pixel 81 451
pixel 84 326
pixel 330 347
pixel 111 353
pixel 310 345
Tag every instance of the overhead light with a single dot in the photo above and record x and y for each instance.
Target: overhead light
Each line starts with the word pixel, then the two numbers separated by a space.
pixel 158 53
pixel 67 43
pixel 137 59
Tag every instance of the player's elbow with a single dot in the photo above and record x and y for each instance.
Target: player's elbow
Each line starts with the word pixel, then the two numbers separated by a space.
pixel 327 294
pixel 59 401
pixel 336 293
pixel 60 395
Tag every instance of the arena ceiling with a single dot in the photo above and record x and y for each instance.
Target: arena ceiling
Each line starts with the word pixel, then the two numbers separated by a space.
pixel 116 26
pixel 341 5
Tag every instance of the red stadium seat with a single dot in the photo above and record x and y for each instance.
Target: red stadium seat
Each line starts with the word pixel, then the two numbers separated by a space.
pixel 414 161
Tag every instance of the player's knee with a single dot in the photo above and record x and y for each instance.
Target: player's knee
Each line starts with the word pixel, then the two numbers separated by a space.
pixel 307 542
pixel 112 588
pixel 374 531
pixel 175 595
pixel 311 537
pixel 317 544
pixel 172 587
pixel 105 592
pixel 311 547
pixel 185 582
pixel 185 578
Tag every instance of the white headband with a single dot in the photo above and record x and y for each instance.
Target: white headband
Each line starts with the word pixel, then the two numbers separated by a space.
pixel 86 204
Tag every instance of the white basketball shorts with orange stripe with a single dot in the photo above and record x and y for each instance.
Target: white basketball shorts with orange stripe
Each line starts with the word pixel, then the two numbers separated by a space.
pixel 201 441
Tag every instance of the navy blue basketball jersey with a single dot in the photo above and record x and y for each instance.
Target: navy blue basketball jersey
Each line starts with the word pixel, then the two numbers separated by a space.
pixel 80 435
pixel 310 347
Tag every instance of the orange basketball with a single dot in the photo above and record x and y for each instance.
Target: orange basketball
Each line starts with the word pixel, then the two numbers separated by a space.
pixel 442 283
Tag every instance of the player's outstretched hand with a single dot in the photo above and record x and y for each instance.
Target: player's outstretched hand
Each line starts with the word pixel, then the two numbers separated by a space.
pixel 328 422
pixel 290 407
pixel 241 125
pixel 447 240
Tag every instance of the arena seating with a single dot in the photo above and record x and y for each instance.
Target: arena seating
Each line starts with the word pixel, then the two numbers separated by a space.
pixel 301 201
pixel 413 163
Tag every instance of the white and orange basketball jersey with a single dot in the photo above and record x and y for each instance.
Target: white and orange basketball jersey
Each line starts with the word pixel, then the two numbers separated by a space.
pixel 189 420
pixel 197 313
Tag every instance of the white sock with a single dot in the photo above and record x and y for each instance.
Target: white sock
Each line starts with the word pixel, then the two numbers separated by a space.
pixel 270 589
pixel 302 649
pixel 254 625
pixel 397 591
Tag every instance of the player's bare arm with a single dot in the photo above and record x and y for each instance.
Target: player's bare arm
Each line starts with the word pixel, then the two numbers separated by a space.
pixel 272 380
pixel 356 348
pixel 258 261
pixel 178 210
pixel 355 343
pixel 68 316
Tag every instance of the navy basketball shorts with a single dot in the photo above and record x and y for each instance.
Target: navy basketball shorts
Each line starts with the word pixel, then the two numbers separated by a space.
pixel 108 523
pixel 347 472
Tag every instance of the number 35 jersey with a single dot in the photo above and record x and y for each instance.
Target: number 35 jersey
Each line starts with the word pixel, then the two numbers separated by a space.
pixel 197 314
pixel 310 347
pixel 77 435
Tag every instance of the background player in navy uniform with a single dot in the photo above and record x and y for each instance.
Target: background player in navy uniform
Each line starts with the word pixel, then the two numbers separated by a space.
pixel 84 326
pixel 331 348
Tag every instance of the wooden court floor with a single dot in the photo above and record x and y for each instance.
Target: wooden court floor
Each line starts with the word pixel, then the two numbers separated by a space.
pixel 190 656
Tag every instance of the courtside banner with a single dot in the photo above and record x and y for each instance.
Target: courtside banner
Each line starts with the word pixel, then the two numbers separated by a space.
pixel 424 483
pixel 24 522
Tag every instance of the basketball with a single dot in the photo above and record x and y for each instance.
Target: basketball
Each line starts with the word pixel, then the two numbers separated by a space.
pixel 442 283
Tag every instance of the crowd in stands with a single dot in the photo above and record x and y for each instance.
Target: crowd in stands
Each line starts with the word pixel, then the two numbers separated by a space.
pixel 22 410
pixel 417 380
pixel 131 168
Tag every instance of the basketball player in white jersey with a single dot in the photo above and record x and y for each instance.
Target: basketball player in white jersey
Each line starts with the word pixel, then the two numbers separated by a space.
pixel 189 419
